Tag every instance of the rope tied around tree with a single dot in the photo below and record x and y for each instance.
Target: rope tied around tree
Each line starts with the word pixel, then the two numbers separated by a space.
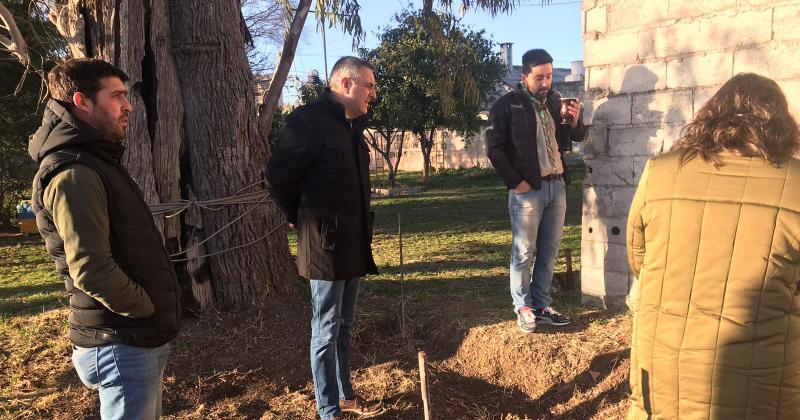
pixel 254 198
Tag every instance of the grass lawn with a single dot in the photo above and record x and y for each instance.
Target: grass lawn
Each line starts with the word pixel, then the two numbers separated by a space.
pixel 28 281
pixel 457 239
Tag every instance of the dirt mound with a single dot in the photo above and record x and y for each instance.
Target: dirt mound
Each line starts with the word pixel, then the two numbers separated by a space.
pixel 254 364
pixel 577 372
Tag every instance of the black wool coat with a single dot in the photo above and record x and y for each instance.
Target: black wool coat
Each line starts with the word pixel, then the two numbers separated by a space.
pixel 319 176
pixel 511 138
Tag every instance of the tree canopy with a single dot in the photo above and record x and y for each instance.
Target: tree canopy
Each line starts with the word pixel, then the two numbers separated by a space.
pixel 410 73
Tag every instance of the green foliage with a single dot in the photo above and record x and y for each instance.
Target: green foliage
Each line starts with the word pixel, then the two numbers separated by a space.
pixel 277 123
pixel 21 89
pixel 433 74
pixel 311 89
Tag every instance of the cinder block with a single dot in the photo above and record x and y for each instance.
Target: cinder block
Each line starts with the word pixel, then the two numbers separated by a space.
pixel 668 134
pixel 634 141
pixel 763 4
pixel 679 38
pixel 603 228
pixel 598 78
pixel 699 70
pixel 611 171
pixel 785 25
pixel 734 30
pixel 593 283
pixel 688 9
pixel 701 96
pixel 598 200
pixel 632 78
pixel 597 142
pixel 596 20
pixel 617 259
pixel 778 60
pixel 617 281
pixel 791 89
pixel 612 110
pixel 624 14
pixel 610 49
pixel 593 254
pixel 621 200
pixel 639 162
pixel 668 107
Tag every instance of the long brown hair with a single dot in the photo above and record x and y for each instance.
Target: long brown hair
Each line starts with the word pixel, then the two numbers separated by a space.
pixel 749 115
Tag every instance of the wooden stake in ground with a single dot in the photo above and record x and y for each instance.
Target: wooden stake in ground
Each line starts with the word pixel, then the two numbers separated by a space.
pixel 402 279
pixel 423 382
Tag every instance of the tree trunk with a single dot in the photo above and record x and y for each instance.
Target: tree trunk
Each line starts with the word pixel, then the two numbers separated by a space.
pixel 426 145
pixel 192 134
pixel 396 166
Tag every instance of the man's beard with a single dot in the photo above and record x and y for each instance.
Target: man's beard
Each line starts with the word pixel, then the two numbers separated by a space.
pixel 110 129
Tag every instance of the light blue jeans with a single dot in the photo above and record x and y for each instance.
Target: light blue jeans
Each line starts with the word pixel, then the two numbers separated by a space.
pixel 537 222
pixel 334 314
pixel 128 378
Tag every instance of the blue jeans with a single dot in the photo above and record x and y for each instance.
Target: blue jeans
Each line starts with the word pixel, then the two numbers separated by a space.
pixel 128 378
pixel 537 221
pixel 332 320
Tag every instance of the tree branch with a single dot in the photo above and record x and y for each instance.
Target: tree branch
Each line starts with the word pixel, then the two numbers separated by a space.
pixel 273 94
pixel 16 44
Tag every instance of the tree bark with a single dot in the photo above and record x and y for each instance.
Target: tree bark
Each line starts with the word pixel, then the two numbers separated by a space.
pixel 192 134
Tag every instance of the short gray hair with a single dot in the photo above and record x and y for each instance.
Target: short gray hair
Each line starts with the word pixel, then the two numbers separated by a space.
pixel 348 66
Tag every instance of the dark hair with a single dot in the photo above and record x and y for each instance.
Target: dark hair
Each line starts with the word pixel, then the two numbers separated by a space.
pixel 350 66
pixel 533 58
pixel 748 115
pixel 80 75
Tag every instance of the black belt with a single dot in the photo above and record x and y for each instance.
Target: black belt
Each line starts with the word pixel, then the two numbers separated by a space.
pixel 115 338
pixel 552 177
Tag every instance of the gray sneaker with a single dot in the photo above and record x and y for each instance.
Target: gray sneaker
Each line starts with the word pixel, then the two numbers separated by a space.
pixel 526 319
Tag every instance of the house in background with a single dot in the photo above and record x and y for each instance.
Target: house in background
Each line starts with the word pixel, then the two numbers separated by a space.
pixel 453 151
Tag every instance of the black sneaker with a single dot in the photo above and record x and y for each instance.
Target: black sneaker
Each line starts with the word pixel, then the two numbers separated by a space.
pixel 549 315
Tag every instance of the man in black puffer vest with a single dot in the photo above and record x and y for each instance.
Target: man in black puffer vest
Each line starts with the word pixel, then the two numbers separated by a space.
pixel 124 307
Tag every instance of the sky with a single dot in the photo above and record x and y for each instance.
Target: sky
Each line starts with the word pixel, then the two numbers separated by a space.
pixel 555 27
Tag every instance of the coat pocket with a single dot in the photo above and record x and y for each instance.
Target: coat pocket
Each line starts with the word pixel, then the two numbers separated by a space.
pixel 330 224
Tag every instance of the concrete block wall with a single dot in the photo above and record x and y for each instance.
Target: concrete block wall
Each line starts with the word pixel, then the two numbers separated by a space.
pixel 650 65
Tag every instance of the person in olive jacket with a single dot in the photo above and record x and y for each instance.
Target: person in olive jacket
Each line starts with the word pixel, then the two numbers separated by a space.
pixel 713 237
pixel 124 307
pixel 525 142
pixel 319 176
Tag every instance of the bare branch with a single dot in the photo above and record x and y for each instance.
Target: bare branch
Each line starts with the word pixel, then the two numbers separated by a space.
pixel 273 94
pixel 16 44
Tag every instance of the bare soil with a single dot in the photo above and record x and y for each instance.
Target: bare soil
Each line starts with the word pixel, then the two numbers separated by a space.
pixel 254 364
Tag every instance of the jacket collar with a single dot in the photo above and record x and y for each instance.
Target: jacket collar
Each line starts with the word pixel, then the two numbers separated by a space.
pixel 337 108
pixel 60 130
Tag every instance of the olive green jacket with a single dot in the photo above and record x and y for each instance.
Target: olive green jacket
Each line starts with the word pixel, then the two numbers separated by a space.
pixel 716 331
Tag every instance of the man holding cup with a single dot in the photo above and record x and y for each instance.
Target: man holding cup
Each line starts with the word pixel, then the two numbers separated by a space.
pixel 525 141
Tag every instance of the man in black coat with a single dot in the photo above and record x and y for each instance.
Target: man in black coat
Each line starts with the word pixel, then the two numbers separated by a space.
pixel 319 176
pixel 525 141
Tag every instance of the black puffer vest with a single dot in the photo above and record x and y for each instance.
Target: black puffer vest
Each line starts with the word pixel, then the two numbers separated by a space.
pixel 136 243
